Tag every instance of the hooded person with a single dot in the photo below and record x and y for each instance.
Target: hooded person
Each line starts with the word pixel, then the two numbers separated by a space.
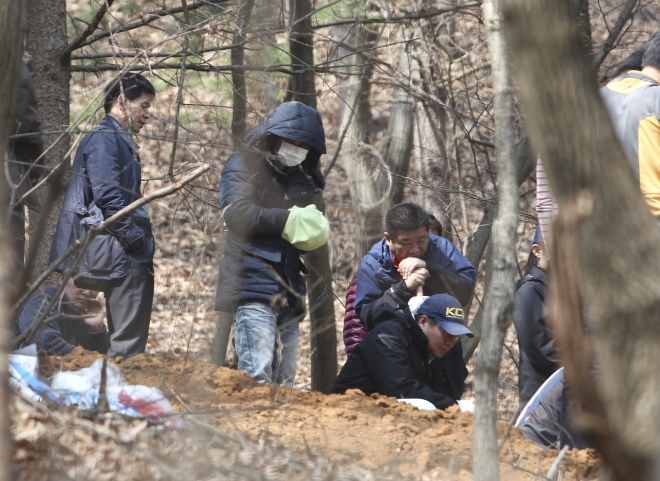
pixel 412 355
pixel 266 195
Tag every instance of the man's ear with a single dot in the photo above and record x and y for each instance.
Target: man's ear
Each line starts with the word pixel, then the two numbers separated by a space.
pixel 60 277
pixel 388 239
pixel 120 103
pixel 423 321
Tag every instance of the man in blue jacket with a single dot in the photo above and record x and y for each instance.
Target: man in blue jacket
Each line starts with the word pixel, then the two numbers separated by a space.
pixel 105 178
pixel 407 258
pixel 266 194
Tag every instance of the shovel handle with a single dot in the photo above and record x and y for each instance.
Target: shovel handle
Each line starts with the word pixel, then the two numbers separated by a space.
pixel 420 291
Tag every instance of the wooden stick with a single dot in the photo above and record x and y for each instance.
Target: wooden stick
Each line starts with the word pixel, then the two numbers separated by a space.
pixel 91 234
pixel 420 291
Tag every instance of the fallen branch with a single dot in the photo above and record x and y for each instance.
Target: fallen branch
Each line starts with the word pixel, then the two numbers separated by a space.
pixel 553 472
pixel 80 245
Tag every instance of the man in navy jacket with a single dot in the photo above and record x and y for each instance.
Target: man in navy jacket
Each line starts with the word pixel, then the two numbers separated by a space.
pixel 266 195
pixel 105 178
pixel 407 258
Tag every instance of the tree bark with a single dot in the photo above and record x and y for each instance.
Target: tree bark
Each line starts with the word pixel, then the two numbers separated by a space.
pixel 499 300
pixel 398 144
pixel 301 48
pixel 46 39
pixel 239 108
pixel 321 315
pixel 618 244
pixel 526 163
pixel 374 177
pixel 319 280
pixel 12 31
pixel 360 159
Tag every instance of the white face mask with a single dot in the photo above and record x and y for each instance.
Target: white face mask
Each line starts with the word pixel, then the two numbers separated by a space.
pixel 291 155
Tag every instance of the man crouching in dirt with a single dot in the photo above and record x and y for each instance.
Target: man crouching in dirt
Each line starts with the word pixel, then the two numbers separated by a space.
pixel 412 356
pixel 409 257
pixel 266 193
pixel 61 336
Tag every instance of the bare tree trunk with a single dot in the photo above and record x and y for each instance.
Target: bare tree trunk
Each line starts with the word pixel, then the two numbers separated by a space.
pixel 12 30
pixel 239 111
pixel 397 148
pixel 301 47
pixel 526 163
pixel 500 290
pixel 239 108
pixel 322 315
pixel 46 39
pixel 361 161
pixel 319 281
pixel 617 253
pixel 368 171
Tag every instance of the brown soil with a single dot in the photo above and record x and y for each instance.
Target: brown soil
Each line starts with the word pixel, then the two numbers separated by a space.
pixel 353 430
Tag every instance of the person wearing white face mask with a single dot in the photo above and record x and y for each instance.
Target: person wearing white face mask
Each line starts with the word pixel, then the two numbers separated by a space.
pixel 266 194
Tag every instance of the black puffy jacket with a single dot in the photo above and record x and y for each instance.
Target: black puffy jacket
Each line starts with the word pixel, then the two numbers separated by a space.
pixel 393 360
pixel 255 197
pixel 538 358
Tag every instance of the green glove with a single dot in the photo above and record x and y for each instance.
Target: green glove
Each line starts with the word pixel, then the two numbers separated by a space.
pixel 306 228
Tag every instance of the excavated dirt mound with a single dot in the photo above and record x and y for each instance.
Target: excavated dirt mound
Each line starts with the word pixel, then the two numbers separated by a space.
pixel 353 430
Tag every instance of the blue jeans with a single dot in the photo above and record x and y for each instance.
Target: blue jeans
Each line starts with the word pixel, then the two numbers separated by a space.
pixel 267 343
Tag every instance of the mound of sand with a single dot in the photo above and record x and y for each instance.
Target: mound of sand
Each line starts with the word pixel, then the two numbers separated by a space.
pixel 352 430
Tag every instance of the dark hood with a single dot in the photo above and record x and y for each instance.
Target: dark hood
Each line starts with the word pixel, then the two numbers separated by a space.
pixel 293 121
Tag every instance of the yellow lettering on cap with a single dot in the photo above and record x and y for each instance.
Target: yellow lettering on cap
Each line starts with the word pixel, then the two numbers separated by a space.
pixel 455 311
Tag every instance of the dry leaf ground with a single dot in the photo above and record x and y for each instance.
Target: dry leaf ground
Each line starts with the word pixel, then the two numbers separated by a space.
pixel 235 428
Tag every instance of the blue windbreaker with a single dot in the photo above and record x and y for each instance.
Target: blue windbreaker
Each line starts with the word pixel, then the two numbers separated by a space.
pixel 379 287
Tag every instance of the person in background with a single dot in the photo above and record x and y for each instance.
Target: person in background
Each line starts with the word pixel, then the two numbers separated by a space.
pixel 412 356
pixel 106 177
pixel 435 227
pixel 24 160
pixel 536 342
pixel 266 194
pixel 546 205
pixel 633 102
pixel 80 321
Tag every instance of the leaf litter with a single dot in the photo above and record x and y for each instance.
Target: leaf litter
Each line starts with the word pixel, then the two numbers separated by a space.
pixel 235 428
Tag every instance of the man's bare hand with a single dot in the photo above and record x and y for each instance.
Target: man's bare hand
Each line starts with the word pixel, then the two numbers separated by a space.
pixel 409 265
pixel 95 315
pixel 417 278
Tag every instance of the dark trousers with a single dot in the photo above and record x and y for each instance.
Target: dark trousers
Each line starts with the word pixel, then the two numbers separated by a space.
pixel 128 304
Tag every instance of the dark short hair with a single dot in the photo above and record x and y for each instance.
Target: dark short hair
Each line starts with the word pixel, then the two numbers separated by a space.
pixel 651 57
pixel 434 223
pixel 631 62
pixel 133 86
pixel 406 216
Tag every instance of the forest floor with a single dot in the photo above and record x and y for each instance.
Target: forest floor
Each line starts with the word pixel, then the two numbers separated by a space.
pixel 348 436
